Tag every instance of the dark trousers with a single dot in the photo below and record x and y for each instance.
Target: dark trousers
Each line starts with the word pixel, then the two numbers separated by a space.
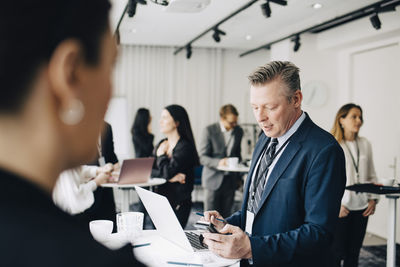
pixel 222 199
pixel 182 211
pixel 350 232
pixel 103 207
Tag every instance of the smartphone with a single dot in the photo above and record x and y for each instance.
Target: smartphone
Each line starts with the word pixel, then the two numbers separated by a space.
pixel 202 225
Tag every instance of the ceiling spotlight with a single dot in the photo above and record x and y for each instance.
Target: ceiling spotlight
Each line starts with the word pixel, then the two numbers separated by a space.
pixel 279 2
pixel 160 2
pixel 375 21
pixel 131 8
pixel 216 35
pixel 297 43
pixel 316 6
pixel 266 9
pixel 132 4
pixel 188 51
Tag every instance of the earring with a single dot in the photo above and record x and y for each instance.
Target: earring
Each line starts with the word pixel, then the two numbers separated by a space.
pixel 73 114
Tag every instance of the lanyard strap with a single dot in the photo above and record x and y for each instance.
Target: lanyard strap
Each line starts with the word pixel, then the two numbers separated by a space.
pixel 256 181
pixel 355 164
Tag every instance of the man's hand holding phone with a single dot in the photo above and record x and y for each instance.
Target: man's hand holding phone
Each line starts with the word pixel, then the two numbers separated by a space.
pixel 231 242
pixel 215 218
pixel 208 226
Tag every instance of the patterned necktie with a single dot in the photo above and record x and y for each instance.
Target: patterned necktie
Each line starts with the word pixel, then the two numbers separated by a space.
pixel 261 176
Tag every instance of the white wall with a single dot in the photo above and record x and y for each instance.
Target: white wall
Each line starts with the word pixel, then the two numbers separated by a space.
pixel 215 77
pixel 152 77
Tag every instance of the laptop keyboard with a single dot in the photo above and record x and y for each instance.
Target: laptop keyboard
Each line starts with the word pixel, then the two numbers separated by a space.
pixel 195 242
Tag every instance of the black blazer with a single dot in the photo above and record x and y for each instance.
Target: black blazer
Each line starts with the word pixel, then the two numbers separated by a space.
pixel 143 145
pixel 183 160
pixel 38 233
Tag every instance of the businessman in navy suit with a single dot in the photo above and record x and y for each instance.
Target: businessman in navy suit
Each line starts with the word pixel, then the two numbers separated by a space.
pixel 295 184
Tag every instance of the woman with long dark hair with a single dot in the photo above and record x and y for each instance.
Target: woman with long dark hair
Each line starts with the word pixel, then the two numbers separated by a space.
pixel 176 158
pixel 142 138
pixel 356 207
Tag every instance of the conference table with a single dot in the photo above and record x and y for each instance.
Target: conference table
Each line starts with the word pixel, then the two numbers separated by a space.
pixel 125 188
pixel 153 250
pixel 392 193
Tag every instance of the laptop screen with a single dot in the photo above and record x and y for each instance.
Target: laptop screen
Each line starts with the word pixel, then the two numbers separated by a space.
pixel 135 170
pixel 164 218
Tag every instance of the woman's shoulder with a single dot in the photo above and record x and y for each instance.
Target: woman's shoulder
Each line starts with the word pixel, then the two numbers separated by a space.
pixel 184 144
pixel 363 140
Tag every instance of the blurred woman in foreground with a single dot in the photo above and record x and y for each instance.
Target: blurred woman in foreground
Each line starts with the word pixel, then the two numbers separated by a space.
pixel 56 59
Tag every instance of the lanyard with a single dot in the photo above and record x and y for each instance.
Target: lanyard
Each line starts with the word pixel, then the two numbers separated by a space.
pixel 356 165
pixel 257 181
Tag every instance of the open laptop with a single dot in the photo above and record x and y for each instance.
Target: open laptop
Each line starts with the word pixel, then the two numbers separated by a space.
pixel 135 171
pixel 167 224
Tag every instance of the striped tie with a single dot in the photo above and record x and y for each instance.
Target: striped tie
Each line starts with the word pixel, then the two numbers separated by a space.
pixel 261 176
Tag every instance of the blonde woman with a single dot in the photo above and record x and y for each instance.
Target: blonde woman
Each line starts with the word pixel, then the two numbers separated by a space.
pixel 356 207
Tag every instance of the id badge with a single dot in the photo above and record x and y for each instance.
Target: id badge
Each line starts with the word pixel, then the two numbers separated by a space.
pixel 249 222
pixel 102 161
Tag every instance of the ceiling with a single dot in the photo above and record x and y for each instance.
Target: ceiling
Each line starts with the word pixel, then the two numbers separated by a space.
pixel 153 26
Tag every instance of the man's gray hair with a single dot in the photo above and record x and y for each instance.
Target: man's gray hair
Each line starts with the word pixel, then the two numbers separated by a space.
pixel 284 70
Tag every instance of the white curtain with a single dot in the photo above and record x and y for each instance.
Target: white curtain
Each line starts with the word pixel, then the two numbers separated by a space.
pixel 153 77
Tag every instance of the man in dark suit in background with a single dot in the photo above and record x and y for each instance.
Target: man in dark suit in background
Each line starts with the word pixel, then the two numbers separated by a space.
pixel 219 141
pixel 294 188
pixel 104 206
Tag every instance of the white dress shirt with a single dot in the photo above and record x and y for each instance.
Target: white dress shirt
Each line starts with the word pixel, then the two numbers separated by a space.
pixel 73 192
pixel 281 140
pixel 228 137
pixel 352 200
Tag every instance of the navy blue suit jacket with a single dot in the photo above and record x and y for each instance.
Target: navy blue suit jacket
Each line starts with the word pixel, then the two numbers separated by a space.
pixel 295 223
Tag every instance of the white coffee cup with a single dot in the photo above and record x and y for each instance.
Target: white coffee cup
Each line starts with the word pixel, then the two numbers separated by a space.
pixel 233 162
pixel 130 224
pixel 387 181
pixel 101 229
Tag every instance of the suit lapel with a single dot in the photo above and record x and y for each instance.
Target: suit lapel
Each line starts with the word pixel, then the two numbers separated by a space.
pixel 288 154
pixel 279 168
pixel 234 133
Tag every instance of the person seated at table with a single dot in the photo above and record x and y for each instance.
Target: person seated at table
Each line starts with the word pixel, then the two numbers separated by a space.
pixel 356 207
pixel 103 207
pixel 73 192
pixel 142 138
pixel 176 158
pixel 56 64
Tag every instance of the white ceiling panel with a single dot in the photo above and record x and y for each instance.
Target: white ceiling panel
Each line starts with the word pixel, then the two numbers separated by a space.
pixel 153 26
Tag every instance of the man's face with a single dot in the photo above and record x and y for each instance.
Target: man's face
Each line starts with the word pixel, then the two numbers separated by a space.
pixel 229 121
pixel 272 110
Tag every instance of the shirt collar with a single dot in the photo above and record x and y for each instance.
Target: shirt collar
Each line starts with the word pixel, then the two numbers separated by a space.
pixel 223 128
pixel 282 139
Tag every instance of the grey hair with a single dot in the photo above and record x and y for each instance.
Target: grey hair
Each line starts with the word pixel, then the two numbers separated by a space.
pixel 284 70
